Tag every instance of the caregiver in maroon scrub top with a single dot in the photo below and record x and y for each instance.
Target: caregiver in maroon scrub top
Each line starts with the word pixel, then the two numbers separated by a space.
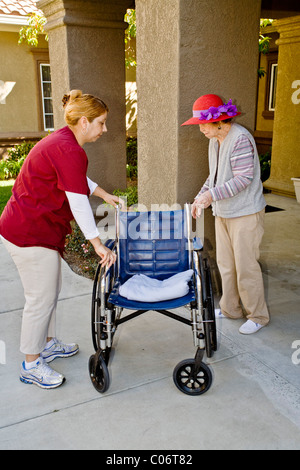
pixel 51 190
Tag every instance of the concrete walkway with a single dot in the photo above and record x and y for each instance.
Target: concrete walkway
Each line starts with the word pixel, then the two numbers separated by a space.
pixel 254 401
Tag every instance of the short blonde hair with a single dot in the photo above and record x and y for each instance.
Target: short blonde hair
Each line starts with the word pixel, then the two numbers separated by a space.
pixel 77 104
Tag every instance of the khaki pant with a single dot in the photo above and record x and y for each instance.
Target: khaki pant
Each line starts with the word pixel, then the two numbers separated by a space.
pixel 238 240
pixel 40 272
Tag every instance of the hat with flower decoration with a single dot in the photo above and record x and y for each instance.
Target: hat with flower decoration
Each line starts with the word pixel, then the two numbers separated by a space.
pixel 210 108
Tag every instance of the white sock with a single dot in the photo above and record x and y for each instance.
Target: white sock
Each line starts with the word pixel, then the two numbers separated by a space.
pixel 30 365
pixel 50 343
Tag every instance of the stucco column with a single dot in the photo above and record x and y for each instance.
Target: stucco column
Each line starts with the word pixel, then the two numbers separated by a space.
pixel 86 47
pixel 187 48
pixel 285 162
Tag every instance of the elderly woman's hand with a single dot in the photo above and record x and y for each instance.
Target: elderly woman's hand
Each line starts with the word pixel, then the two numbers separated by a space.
pixel 205 199
pixel 196 209
pixel 202 202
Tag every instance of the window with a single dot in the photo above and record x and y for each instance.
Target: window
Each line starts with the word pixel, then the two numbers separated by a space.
pixel 272 90
pixel 270 94
pixel 47 105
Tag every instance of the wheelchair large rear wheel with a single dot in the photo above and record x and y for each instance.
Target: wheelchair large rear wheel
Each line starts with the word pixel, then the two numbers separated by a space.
pixel 95 311
pixel 99 373
pixel 209 313
pixel 97 320
pixel 192 382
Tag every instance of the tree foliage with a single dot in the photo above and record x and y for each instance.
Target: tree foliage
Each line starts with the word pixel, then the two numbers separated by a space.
pixel 263 43
pixel 30 33
pixel 130 58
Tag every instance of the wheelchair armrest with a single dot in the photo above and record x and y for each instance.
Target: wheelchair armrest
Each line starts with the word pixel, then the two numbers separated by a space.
pixel 199 271
pixel 197 244
pixel 110 244
pixel 114 268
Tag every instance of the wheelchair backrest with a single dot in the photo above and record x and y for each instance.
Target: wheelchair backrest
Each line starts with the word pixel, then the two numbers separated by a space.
pixel 153 243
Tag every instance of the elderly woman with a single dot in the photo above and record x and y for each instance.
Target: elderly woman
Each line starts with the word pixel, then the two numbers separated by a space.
pixel 234 190
pixel 52 189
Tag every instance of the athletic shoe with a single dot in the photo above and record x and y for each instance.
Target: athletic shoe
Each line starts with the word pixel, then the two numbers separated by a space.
pixel 250 327
pixel 41 375
pixel 219 314
pixel 59 349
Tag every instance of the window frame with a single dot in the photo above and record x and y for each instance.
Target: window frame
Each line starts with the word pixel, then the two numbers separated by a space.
pixel 272 60
pixel 44 113
pixel 272 89
pixel 41 56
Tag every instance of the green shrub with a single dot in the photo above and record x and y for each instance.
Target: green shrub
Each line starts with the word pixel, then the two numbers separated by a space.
pixel 131 171
pixel 5 193
pixel 131 193
pixel 131 158
pixel 11 166
pixel 20 151
pixel 131 151
pixel 265 164
pixel 85 256
pixel 79 251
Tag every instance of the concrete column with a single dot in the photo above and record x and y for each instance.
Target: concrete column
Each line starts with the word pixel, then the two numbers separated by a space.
pixel 187 48
pixel 285 163
pixel 86 47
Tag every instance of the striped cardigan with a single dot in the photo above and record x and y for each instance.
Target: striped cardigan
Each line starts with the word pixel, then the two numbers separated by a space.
pixel 234 180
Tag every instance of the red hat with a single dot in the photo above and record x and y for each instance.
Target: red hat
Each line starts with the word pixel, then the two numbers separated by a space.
pixel 210 108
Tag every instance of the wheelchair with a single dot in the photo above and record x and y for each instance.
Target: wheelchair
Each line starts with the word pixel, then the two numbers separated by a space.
pixel 159 245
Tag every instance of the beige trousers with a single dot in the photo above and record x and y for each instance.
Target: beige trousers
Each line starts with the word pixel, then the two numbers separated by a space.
pixel 40 272
pixel 238 240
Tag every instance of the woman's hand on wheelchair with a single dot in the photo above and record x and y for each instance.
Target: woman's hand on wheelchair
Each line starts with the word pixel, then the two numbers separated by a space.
pixel 202 202
pixel 114 200
pixel 108 257
pixel 196 209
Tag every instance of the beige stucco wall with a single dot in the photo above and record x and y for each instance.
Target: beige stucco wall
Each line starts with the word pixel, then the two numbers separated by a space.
pixel 20 113
pixel 285 163
pixel 157 84
pixel 185 49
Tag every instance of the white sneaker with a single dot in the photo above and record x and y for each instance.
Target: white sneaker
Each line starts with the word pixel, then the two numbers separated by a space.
pixel 219 314
pixel 59 349
pixel 250 327
pixel 41 375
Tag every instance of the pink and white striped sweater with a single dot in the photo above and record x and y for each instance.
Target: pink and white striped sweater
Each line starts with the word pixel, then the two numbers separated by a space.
pixel 242 165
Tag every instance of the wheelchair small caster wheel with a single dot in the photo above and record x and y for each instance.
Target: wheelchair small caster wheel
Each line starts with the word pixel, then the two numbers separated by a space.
pixel 192 382
pixel 99 373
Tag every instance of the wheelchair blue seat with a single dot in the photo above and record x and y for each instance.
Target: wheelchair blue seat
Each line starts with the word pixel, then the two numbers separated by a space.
pixel 153 244
pixel 116 299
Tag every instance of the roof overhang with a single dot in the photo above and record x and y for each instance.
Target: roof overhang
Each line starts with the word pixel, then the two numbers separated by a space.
pixel 12 23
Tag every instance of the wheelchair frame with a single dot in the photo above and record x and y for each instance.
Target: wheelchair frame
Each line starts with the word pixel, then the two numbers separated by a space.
pixel 191 376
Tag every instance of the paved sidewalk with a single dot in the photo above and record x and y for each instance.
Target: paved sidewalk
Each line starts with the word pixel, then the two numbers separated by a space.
pixel 254 401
